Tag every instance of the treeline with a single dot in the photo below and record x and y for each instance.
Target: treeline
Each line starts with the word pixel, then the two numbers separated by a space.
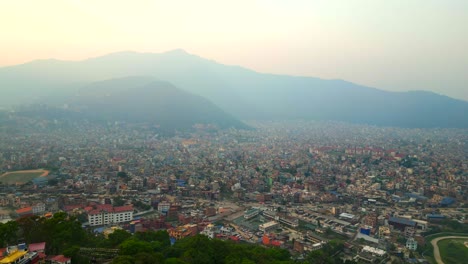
pixel 447 225
pixel 154 247
pixel 63 234
pixel 60 232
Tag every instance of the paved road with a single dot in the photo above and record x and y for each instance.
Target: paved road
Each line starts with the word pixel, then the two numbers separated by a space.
pixel 436 247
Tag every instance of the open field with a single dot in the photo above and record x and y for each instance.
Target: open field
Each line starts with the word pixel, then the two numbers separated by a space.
pixel 22 177
pixel 446 251
pixel 453 250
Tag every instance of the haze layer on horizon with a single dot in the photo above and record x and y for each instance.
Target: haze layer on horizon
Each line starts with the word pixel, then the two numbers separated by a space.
pixel 393 45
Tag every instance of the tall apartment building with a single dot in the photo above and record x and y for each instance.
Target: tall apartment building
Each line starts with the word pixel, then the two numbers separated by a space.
pixel 107 214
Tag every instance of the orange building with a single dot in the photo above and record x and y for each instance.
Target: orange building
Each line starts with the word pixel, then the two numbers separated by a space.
pixel 24 212
pixel 183 231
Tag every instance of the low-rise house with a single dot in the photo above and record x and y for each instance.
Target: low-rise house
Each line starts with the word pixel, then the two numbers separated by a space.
pixel 60 259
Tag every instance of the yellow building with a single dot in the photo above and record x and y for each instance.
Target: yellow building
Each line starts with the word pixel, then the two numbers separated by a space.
pixel 14 256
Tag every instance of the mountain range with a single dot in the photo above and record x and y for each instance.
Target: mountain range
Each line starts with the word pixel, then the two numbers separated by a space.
pixel 229 92
pixel 144 99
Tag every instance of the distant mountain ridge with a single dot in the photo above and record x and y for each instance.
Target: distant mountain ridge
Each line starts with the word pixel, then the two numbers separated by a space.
pixel 238 91
pixel 135 100
pixel 144 99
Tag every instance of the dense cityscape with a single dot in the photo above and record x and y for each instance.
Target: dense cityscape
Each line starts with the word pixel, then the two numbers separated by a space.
pixel 363 194
pixel 233 132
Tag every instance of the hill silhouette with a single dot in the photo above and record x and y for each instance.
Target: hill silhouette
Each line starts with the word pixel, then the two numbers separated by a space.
pixel 144 99
pixel 241 92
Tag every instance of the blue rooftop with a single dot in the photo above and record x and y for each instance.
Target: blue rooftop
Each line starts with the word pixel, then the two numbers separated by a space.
pixel 402 221
pixel 99 230
pixel 447 201
pixel 435 216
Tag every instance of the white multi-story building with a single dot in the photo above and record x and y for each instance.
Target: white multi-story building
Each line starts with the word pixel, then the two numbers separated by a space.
pixel 38 208
pixel 104 215
pixel 411 244
pixel 163 207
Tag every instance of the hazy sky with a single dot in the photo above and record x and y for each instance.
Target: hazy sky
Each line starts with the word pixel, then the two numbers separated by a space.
pixel 389 44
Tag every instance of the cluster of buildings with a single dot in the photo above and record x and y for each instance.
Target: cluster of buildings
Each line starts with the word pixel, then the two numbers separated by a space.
pixel 371 186
pixel 30 254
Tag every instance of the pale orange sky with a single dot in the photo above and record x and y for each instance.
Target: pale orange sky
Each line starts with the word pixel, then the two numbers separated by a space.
pixel 394 45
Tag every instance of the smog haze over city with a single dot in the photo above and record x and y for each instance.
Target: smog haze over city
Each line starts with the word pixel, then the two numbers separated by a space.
pixel 260 131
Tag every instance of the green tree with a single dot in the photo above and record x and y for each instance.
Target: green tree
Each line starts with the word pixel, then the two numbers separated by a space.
pixel 118 237
pixel 119 201
pixel 83 218
pixel 52 182
pixel 333 246
pixel 149 258
pixel 132 247
pixel 401 240
pixel 174 261
pixel 196 249
pixel 151 236
pixel 123 260
pixel 72 251
pixel 278 254
pixel 62 232
pixel 195 256
pixel 8 233
pixel 123 175
pixel 318 257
